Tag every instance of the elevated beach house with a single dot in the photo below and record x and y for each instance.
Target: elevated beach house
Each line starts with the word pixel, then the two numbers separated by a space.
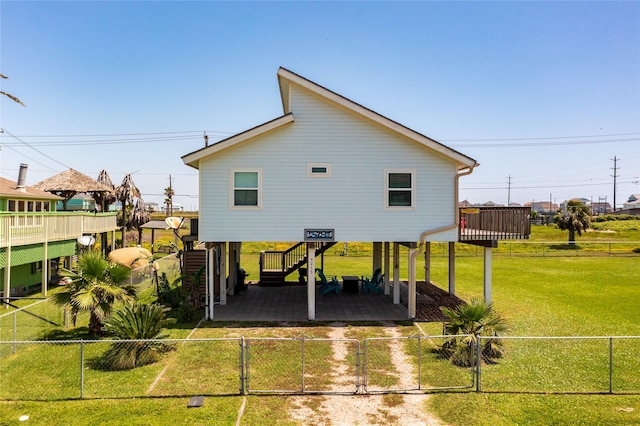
pixel 35 238
pixel 328 170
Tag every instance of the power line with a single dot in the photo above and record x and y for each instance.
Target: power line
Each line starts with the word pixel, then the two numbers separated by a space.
pixel 539 138
pixel 36 150
pixel 554 143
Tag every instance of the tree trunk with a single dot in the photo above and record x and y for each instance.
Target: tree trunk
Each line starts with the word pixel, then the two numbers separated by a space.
pixel 124 220
pixel 95 325
pixel 572 237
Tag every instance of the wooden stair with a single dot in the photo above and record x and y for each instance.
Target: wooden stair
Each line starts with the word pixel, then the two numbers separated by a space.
pixel 275 265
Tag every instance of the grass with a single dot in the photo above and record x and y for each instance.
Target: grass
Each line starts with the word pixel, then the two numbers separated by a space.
pixel 541 296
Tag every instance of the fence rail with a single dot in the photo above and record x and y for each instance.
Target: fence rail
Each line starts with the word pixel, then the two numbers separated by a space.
pixel 521 248
pixel 52 370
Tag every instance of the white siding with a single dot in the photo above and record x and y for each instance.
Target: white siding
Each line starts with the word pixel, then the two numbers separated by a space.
pixel 351 200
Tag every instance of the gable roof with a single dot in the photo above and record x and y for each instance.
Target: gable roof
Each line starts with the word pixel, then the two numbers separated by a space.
pixel 287 78
pixel 9 189
pixel 193 158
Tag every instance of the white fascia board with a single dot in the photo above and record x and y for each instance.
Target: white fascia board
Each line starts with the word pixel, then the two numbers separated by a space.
pixel 193 159
pixel 285 76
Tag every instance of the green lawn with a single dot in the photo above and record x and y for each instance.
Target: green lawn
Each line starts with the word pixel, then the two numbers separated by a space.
pixel 541 296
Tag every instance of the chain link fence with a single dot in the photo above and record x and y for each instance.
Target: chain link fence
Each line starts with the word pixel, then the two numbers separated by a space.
pixel 302 365
pixel 522 248
pixel 401 364
pixel 146 275
pixel 564 365
pixel 30 322
pixel 57 370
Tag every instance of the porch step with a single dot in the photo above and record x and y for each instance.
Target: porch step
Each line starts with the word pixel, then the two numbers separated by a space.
pixel 271 278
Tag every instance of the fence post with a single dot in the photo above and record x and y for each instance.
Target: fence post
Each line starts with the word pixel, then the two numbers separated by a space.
pixel 81 369
pixel 15 330
pixel 419 363
pixel 610 364
pixel 364 365
pixel 358 355
pixel 478 369
pixel 243 388
pixel 302 364
pixel 247 363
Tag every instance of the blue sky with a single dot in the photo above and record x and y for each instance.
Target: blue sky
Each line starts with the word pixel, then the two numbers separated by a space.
pixel 545 92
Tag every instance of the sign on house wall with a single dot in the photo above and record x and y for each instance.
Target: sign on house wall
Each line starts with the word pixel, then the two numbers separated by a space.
pixel 319 235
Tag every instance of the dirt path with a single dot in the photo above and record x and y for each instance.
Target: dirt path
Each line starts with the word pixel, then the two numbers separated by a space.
pixel 405 409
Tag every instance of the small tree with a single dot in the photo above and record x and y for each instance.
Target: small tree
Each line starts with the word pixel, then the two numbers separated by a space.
pixel 126 192
pixel 136 322
pixel 168 201
pixel 95 287
pixel 140 215
pixel 575 219
pixel 473 320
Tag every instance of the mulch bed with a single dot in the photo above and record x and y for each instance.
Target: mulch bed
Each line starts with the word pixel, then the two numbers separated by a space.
pixel 430 311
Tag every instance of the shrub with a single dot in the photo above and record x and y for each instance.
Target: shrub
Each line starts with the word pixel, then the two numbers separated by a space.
pixel 136 322
pixel 472 320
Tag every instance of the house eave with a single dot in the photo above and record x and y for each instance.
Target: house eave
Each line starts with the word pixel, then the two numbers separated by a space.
pixel 285 76
pixel 193 159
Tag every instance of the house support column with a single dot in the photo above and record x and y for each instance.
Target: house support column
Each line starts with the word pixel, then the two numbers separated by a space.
pixel 311 281
pixel 488 272
pixel 377 256
pixel 45 256
pixel 234 265
pixel 386 268
pixel 223 273
pixel 452 268
pixel 45 268
pixel 427 262
pixel 7 276
pixel 396 273
pixel 411 302
pixel 210 280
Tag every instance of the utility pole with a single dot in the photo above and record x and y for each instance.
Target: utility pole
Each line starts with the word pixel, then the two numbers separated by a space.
pixel 615 176
pixel 509 190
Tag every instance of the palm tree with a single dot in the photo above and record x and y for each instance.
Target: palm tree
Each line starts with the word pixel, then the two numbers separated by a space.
pixel 137 322
pixel 472 320
pixel 139 217
pixel 96 286
pixel 126 192
pixel 8 95
pixel 169 193
pixel 575 219
pixel 104 200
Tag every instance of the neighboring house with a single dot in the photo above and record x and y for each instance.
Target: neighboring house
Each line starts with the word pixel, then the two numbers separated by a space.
pixel 600 207
pixel 80 202
pixel 328 170
pixel 632 206
pixel 152 206
pixel 542 207
pixel 35 238
pixel 633 202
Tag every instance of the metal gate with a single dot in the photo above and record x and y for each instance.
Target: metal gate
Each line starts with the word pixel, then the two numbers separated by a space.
pixel 302 365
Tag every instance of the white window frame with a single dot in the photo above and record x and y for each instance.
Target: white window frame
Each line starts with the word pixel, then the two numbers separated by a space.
pixel 311 173
pixel 412 172
pixel 232 188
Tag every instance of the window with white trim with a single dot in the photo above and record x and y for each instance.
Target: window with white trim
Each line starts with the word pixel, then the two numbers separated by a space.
pixel 246 188
pixel 400 188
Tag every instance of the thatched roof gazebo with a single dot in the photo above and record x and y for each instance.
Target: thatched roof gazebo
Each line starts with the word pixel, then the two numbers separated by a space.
pixel 69 183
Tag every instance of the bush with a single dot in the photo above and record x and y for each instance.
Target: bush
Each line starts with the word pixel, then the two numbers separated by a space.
pixel 133 322
pixel 470 321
